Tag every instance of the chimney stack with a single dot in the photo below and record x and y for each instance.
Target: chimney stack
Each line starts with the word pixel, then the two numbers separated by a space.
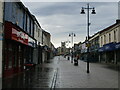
pixel 118 21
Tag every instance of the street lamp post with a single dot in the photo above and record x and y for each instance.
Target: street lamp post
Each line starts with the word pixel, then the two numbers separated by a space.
pixel 72 35
pixel 88 24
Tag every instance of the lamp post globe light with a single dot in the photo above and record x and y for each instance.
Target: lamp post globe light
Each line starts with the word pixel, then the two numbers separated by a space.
pixel 88 24
pixel 72 35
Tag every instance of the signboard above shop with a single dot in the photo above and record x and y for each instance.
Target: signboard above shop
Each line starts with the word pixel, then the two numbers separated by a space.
pixel 19 36
pixel 109 47
pixel 31 42
pixel 11 32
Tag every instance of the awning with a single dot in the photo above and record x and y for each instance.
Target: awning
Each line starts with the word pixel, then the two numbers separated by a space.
pixel 109 47
pixel 102 49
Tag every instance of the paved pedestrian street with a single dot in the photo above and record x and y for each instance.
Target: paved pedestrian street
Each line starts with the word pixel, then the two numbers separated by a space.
pixel 100 75
pixel 61 73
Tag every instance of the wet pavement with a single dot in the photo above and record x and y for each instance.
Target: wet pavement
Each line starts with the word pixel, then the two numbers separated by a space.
pixel 100 76
pixel 39 77
pixel 61 73
pixel 0 83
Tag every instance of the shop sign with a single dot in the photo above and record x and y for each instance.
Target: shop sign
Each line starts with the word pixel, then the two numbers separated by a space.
pixel 31 42
pixel 101 50
pixel 19 36
pixel 117 46
pixel 45 48
pixel 109 47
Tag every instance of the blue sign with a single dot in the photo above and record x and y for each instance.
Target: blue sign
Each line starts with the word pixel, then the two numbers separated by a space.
pixel 101 49
pixel 31 42
pixel 109 47
pixel 117 46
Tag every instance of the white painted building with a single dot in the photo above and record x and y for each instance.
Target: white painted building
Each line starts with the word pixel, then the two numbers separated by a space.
pixel 38 38
pixel 1 38
pixel 38 32
pixel 46 38
pixel 93 47
pixel 110 34
pixel 46 41
pixel 109 41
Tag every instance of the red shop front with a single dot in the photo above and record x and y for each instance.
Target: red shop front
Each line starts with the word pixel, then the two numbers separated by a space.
pixel 15 50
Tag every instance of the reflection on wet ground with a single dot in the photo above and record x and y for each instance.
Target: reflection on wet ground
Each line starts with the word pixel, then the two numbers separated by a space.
pixel 38 77
pixel 115 67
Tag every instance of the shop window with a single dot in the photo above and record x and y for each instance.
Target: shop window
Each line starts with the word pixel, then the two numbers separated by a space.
pixel 19 55
pixel 10 56
pixel 5 55
pixel 15 53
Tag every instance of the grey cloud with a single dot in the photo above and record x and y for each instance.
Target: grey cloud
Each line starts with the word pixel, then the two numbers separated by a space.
pixel 60 18
pixel 56 9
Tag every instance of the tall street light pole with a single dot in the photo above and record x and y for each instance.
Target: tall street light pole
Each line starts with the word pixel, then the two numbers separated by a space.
pixel 88 24
pixel 72 35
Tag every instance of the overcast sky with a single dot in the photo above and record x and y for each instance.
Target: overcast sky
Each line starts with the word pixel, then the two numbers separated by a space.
pixel 62 18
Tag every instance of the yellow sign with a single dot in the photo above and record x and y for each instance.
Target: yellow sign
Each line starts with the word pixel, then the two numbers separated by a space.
pixel 88 45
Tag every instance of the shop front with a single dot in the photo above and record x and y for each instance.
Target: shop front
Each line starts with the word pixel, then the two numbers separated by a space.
pixel 109 53
pixel 17 50
pixel 117 53
pixel 45 53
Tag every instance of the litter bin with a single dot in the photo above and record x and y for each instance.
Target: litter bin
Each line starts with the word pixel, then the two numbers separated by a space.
pixel 68 58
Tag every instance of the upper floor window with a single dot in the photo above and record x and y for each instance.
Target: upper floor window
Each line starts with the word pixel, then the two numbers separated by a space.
pixel 38 32
pixel 104 39
pixel 30 27
pixel 28 23
pixel 0 26
pixel 101 41
pixel 114 35
pixel 109 37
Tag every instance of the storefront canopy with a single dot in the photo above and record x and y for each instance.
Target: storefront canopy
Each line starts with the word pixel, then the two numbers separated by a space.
pixel 109 47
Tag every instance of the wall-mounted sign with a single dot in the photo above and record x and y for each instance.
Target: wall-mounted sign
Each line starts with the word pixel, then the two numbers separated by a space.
pixel 19 36
pixel 14 33
pixel 31 42
pixel 117 46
